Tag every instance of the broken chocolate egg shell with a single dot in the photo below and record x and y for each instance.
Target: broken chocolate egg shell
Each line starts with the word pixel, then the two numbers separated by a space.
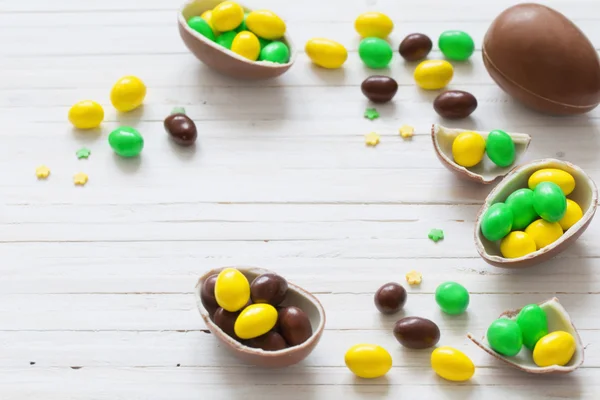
pixel 218 57
pixel 558 320
pixel 296 296
pixel 486 171
pixel 585 194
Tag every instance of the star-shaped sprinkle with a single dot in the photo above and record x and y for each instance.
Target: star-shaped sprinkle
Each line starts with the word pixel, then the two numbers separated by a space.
pixel 371 113
pixel 407 131
pixel 42 172
pixel 414 278
pixel 372 139
pixel 80 179
pixel 436 234
pixel 83 153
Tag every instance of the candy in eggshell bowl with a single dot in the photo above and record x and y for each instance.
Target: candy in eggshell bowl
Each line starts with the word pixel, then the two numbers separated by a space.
pixel 259 316
pixel 256 50
pixel 537 211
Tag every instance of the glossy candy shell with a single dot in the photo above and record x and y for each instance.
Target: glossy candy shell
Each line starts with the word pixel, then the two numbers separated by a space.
pixel 368 360
pixel 126 141
pixel 375 53
pixel 452 364
pixel 326 53
pixel 456 45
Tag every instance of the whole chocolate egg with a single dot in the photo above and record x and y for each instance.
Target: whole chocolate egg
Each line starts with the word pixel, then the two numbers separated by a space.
pixel 541 58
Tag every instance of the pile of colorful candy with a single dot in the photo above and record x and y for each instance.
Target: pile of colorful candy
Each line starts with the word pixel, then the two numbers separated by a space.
pixel 468 148
pixel 255 35
pixel 530 329
pixel 535 217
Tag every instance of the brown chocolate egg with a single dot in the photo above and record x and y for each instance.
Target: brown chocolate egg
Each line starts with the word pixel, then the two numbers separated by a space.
pixel 268 288
pixel 416 332
pixel 226 321
pixel 390 298
pixel 294 325
pixel 455 104
pixel 270 341
pixel 379 88
pixel 541 58
pixel 207 294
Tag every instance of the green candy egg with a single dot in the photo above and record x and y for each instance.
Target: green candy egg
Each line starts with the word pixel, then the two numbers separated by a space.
pixel 242 27
pixel 452 298
pixel 126 141
pixel 549 201
pixel 225 39
pixel 263 42
pixel 497 222
pixel 520 203
pixel 456 45
pixel 533 323
pixel 202 27
pixel 505 337
pixel 375 52
pixel 276 52
pixel 500 148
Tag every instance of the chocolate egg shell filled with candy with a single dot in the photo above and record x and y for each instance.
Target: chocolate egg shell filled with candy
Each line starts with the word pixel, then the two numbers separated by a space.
pixel 558 320
pixel 295 297
pixel 486 171
pixel 585 195
pixel 541 58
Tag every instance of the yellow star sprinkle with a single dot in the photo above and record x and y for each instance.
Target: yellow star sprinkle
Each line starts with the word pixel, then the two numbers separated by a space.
pixel 80 179
pixel 407 131
pixel 414 278
pixel 42 172
pixel 372 139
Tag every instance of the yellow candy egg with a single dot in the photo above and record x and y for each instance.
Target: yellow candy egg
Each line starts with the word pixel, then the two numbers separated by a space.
pixel 452 364
pixel 468 149
pixel 86 114
pixel 368 360
pixel 558 176
pixel 433 74
pixel 543 232
pixel 128 93
pixel 556 348
pixel 265 24
pixel 373 24
pixel 572 215
pixel 207 16
pixel 517 244
pixel 232 290
pixel 326 53
pixel 227 16
pixel 246 44
pixel 255 320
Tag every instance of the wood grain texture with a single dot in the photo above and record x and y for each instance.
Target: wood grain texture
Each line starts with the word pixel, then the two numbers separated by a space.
pixel 96 283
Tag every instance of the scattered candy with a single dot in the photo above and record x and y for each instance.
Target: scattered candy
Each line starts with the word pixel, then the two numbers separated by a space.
pixel 407 131
pixel 226 39
pixel 181 128
pixel 544 233
pixel 202 26
pixel 414 278
pixel 452 298
pixel 227 16
pixel 379 88
pixel 255 320
pixel 80 179
pixel 368 360
pixel 497 222
pixel 375 53
pixel 83 153
pixel 416 333
pixel 373 24
pixel 265 24
pixel 126 141
pixel 452 364
pixel 232 290
pixel 326 53
pixel 433 74
pixel 500 148
pixel 468 149
pixel 371 113
pixel 549 201
pixel 246 44
pixel 390 298
pixel 517 244
pixel 436 235
pixel 275 52
pixel 86 114
pixel 128 93
pixel 533 323
pixel 372 139
pixel 42 172
pixel 455 104
pixel 562 178
pixel 456 45
pixel 573 214
pixel 521 204
pixel 415 47
pixel 505 337
pixel 556 348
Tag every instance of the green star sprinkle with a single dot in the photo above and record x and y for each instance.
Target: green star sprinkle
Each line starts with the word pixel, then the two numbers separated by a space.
pixel 83 153
pixel 371 113
pixel 436 234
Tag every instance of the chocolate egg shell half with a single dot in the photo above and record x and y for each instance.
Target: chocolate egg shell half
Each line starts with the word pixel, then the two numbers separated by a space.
pixel 585 194
pixel 558 320
pixel 297 297
pixel 486 171
pixel 541 58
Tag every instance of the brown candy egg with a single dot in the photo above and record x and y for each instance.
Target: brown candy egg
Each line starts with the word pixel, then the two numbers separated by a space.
pixel 268 288
pixel 455 104
pixel 270 341
pixel 379 88
pixel 415 47
pixel 416 333
pixel 294 325
pixel 207 294
pixel 226 321
pixel 541 58
pixel 390 298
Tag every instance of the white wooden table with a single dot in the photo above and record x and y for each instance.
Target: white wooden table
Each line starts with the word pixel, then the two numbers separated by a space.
pixel 96 282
